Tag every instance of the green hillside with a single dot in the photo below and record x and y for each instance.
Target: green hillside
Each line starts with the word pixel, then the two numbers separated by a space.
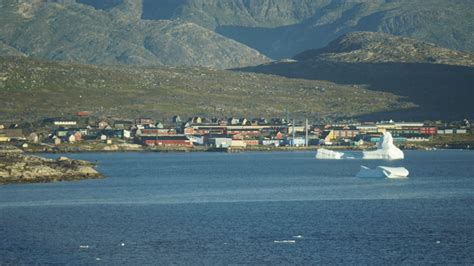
pixel 31 89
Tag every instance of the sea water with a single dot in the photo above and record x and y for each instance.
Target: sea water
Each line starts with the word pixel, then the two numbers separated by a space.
pixel 244 208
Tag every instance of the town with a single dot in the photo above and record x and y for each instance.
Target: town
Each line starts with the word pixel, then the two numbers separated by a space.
pixel 81 131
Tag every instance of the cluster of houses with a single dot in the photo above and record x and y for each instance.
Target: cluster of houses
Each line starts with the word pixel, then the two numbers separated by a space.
pixel 225 133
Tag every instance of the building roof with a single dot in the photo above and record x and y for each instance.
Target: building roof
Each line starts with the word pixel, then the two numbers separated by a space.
pixel 167 137
pixel 216 136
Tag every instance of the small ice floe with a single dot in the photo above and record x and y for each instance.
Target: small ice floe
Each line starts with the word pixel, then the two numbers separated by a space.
pixel 438 242
pixel 383 172
pixel 324 154
pixel 98 259
pixel 122 245
pixel 84 246
pixel 284 241
pixel 298 236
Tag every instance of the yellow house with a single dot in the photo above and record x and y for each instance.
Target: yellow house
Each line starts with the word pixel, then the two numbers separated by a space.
pixel 328 136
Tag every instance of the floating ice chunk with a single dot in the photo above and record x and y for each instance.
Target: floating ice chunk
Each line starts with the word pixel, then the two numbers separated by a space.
pixel 328 154
pixel 385 149
pixel 84 246
pixel 383 171
pixel 285 241
pixel 123 244
pixel 298 236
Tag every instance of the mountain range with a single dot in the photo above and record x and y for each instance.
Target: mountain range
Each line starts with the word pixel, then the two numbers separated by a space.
pixel 217 33
pixel 283 28
pixel 73 32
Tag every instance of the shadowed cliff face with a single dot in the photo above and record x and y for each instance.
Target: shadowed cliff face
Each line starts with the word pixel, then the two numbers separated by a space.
pixel 440 81
pixel 441 91
pixel 161 9
pixel 103 4
pixel 250 13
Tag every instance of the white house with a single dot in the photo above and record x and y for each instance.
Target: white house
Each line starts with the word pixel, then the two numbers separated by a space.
pixel 65 123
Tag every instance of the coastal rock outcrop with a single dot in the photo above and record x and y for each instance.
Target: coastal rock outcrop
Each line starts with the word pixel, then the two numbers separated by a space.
pixel 16 167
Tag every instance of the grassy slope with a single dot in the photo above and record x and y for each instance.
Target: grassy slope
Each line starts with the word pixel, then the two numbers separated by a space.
pixel 32 89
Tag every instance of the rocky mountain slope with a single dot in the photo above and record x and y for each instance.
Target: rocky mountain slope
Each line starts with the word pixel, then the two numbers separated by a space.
pixel 371 47
pixel 440 81
pixel 282 28
pixel 249 13
pixel 219 33
pixel 31 89
pixel 74 32
pixel 7 50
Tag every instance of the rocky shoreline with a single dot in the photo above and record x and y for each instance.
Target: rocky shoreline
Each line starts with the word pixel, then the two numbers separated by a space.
pixel 87 148
pixel 17 167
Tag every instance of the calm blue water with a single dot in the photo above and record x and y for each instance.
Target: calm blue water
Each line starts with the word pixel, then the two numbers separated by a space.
pixel 244 208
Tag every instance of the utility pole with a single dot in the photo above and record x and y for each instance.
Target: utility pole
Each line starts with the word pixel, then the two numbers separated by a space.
pixel 293 131
pixel 287 123
pixel 306 128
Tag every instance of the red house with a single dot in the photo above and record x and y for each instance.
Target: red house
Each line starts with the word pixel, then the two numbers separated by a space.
pixel 251 142
pixel 429 130
pixel 83 113
pixel 176 140
pixel 145 121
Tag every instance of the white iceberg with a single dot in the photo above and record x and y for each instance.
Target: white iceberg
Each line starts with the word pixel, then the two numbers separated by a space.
pixel 383 171
pixel 328 154
pixel 385 149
